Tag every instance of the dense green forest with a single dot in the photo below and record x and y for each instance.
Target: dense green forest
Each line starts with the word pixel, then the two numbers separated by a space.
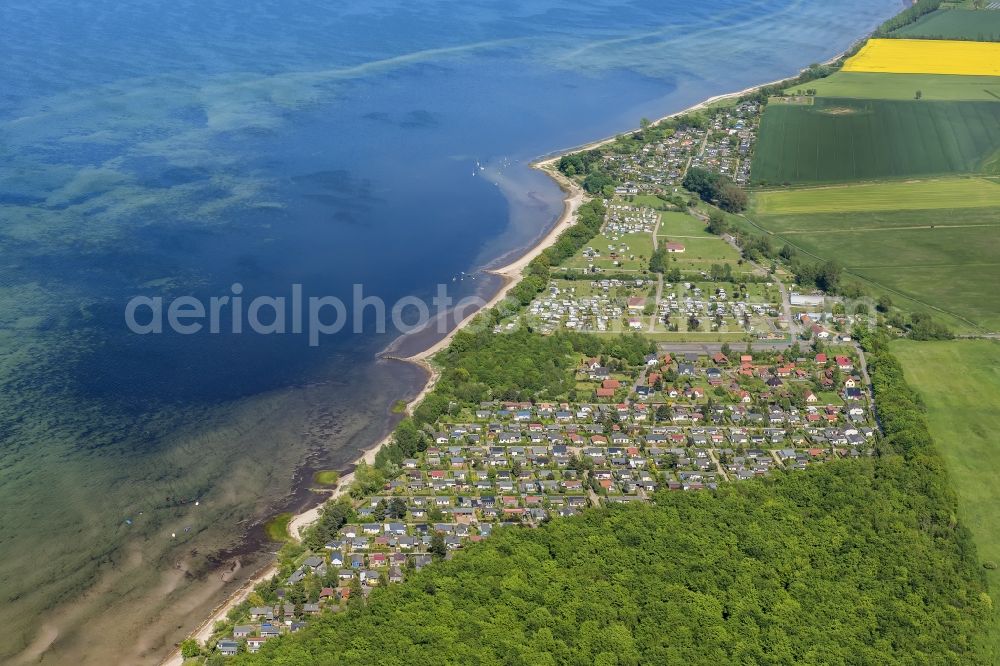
pixel 852 562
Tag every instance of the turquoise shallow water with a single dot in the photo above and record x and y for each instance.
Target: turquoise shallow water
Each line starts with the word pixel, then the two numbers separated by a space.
pixel 168 149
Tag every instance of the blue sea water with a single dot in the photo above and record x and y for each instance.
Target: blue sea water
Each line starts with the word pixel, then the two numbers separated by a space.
pixel 169 149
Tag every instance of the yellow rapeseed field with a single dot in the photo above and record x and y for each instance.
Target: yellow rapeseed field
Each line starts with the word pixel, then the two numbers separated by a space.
pixel 927 56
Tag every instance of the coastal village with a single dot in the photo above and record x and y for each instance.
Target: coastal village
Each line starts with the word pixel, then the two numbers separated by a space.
pixel 678 422
pixel 723 144
pixel 698 412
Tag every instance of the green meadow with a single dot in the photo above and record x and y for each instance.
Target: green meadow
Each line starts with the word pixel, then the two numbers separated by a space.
pixel 877 221
pixel 910 248
pixel 981 25
pixel 963 297
pixel 682 224
pixel 934 244
pixel 951 270
pixel 700 253
pixel 959 382
pixel 909 195
pixel 842 140
pixel 871 85
pixel 701 248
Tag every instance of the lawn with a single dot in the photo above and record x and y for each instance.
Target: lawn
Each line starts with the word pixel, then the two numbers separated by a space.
pixel 926 56
pixel 912 195
pixel 870 85
pixel 701 249
pixel 682 224
pixel 649 200
pixel 702 252
pixel 842 140
pixel 981 25
pixel 960 383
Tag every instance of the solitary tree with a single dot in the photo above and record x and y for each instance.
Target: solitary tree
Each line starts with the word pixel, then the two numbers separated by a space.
pixel 190 648
pixel 438 548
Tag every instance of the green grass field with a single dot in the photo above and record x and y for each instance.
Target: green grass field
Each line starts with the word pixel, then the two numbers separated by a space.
pixel 878 220
pixel 942 256
pixel 702 249
pixel 700 253
pixel 911 195
pixel 980 25
pixel 842 140
pixel 870 85
pixel 682 224
pixel 962 297
pixel 648 200
pixel 944 270
pixel 910 248
pixel 959 382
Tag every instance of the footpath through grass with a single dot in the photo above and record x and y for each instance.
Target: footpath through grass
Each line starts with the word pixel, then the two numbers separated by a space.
pixel 959 381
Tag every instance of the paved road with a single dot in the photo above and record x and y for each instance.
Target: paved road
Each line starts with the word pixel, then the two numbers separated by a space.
pixel 863 366
pixel 786 306
pixel 659 280
pixel 718 465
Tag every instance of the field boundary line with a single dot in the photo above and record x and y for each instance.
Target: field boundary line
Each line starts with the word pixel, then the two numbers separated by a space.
pixel 906 228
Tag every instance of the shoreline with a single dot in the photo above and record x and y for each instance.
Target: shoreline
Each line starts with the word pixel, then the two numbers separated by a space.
pixel 552 157
pixel 510 273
